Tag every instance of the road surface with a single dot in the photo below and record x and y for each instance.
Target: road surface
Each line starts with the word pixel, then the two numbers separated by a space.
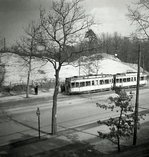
pixel 73 111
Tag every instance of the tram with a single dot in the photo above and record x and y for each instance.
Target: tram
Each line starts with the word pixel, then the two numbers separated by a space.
pixel 102 82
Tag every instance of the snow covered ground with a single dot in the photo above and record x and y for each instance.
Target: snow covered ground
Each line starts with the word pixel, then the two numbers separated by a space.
pixel 16 72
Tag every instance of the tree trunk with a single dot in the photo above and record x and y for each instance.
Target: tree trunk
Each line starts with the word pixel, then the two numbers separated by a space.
pixel 118 132
pixel 118 143
pixel 28 79
pixel 54 107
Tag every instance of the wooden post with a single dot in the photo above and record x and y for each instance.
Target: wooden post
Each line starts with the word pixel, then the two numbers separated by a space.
pixel 38 115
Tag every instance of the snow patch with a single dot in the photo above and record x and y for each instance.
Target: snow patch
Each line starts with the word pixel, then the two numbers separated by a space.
pixel 16 72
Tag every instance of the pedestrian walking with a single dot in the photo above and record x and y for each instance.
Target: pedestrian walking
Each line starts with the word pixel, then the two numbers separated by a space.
pixel 36 89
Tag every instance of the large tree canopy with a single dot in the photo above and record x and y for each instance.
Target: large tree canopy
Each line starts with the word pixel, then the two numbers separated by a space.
pixel 61 29
pixel 139 15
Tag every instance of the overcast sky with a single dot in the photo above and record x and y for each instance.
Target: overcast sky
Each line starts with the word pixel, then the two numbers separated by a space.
pixel 16 14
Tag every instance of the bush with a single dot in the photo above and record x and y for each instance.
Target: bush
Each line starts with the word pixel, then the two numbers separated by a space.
pixel 19 88
pixel 46 84
pixel 15 89
pixel 6 89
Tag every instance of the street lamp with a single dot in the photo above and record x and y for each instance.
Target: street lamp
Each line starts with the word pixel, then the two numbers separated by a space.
pixel 115 54
pixel 38 115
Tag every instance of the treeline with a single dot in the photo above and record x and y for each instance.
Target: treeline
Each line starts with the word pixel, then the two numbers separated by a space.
pixel 126 48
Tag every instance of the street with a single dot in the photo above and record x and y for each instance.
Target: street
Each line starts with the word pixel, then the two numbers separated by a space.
pixel 73 111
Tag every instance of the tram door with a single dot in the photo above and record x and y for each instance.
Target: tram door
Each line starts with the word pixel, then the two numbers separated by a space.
pixel 67 86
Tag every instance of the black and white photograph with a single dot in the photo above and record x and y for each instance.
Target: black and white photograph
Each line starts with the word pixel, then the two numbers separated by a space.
pixel 74 78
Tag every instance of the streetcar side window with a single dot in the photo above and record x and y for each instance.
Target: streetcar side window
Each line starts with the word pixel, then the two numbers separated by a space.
pixel 77 84
pixel 88 83
pixel 101 82
pixel 121 80
pixel 124 79
pixel 142 78
pixel 82 84
pixel 73 84
pixel 96 82
pixel 117 80
pixel 106 81
pixel 135 79
pixel 131 78
pixel 93 83
pixel 128 79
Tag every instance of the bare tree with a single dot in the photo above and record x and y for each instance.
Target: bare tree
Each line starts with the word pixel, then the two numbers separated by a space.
pixel 139 16
pixel 87 66
pixel 91 64
pixel 61 28
pixel 26 48
pixel 55 40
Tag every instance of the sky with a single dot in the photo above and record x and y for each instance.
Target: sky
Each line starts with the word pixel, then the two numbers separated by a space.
pixel 110 15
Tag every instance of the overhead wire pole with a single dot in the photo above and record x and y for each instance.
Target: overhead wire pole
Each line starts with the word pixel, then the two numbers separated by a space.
pixel 80 65
pixel 137 98
pixel 4 44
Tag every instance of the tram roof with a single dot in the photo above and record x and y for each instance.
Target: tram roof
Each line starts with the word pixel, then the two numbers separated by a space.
pixel 90 76
pixel 102 75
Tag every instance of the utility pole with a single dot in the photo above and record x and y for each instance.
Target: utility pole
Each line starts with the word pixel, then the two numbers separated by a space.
pixel 137 98
pixel 79 66
pixel 4 44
